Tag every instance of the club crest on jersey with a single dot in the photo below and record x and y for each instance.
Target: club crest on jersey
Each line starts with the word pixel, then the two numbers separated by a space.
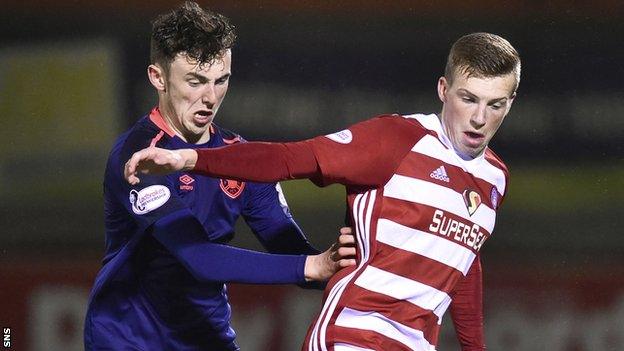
pixel 342 137
pixel 494 197
pixel 232 188
pixel 186 182
pixel 148 199
pixel 472 199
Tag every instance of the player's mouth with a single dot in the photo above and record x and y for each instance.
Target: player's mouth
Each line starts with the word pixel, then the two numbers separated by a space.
pixel 202 117
pixel 474 139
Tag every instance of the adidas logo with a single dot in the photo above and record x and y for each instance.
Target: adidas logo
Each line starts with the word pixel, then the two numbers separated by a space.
pixel 440 174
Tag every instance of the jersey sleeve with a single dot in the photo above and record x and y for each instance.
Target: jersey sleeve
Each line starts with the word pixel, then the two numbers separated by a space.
pixel 157 209
pixel 267 214
pixel 182 234
pixel 467 309
pixel 367 153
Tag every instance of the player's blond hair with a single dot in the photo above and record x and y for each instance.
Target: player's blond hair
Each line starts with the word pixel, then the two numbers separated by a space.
pixel 482 55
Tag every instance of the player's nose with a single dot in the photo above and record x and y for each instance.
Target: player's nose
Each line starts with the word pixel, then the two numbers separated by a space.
pixel 209 96
pixel 479 117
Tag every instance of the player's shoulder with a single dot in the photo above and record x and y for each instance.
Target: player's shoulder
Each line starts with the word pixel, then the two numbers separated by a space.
pixel 227 136
pixel 397 125
pixel 145 133
pixel 391 121
pixel 141 135
pixel 496 161
pixel 428 122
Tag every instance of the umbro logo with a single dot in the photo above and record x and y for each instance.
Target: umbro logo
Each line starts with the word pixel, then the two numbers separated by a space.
pixel 186 182
pixel 440 174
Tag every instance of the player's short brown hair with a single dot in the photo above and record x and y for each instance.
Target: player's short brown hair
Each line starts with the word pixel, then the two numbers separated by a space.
pixel 482 55
pixel 201 34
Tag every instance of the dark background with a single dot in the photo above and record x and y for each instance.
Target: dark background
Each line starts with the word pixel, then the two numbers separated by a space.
pixel 73 76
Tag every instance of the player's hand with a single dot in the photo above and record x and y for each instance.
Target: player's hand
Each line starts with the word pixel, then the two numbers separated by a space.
pixel 341 254
pixel 157 161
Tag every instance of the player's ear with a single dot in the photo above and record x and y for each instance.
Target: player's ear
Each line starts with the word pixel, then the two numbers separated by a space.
pixel 511 100
pixel 442 88
pixel 156 76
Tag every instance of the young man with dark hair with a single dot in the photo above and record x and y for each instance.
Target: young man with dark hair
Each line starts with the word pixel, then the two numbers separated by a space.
pixel 423 191
pixel 161 286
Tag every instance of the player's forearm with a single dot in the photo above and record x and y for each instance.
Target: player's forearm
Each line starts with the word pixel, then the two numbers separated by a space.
pixel 257 161
pixel 183 236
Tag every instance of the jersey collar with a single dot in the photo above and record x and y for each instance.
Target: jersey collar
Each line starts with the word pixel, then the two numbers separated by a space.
pixel 156 117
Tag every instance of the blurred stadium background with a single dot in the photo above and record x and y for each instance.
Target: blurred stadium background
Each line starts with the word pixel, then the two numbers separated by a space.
pixel 72 77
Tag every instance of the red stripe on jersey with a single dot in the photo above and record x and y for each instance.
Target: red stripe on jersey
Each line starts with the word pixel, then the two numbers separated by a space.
pixel 419 216
pixel 495 160
pixel 364 338
pixel 400 311
pixel 157 138
pixel 416 267
pixel 421 167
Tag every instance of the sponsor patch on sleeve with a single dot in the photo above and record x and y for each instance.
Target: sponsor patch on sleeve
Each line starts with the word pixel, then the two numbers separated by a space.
pixel 342 137
pixel 148 199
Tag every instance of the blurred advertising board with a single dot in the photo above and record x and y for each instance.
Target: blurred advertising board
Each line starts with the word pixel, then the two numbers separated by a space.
pixel 43 304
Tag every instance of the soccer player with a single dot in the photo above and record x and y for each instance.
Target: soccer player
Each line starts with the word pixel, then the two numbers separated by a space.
pixel 423 191
pixel 162 283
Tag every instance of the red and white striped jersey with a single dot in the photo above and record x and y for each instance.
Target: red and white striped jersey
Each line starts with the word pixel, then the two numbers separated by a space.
pixel 420 212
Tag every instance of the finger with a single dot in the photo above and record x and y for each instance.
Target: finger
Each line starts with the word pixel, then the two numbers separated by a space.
pixel 133 180
pixel 133 161
pixel 127 173
pixel 346 251
pixel 346 263
pixel 345 239
pixel 346 230
pixel 130 169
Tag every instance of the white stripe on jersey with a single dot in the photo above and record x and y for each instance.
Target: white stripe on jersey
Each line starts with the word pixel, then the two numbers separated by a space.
pixel 425 244
pixel 420 191
pixel 432 147
pixel 400 288
pixel 431 121
pixel 373 321
pixel 362 226
pixel 347 347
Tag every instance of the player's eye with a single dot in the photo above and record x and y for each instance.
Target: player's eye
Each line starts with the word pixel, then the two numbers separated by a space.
pixel 194 83
pixel 468 99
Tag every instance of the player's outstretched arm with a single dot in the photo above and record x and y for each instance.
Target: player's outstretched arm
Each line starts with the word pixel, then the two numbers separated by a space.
pixel 253 161
pixel 157 161
pixel 341 254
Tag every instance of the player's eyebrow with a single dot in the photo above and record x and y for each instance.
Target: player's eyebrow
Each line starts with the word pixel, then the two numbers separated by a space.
pixel 199 77
pixel 493 101
pixel 205 79
pixel 225 76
